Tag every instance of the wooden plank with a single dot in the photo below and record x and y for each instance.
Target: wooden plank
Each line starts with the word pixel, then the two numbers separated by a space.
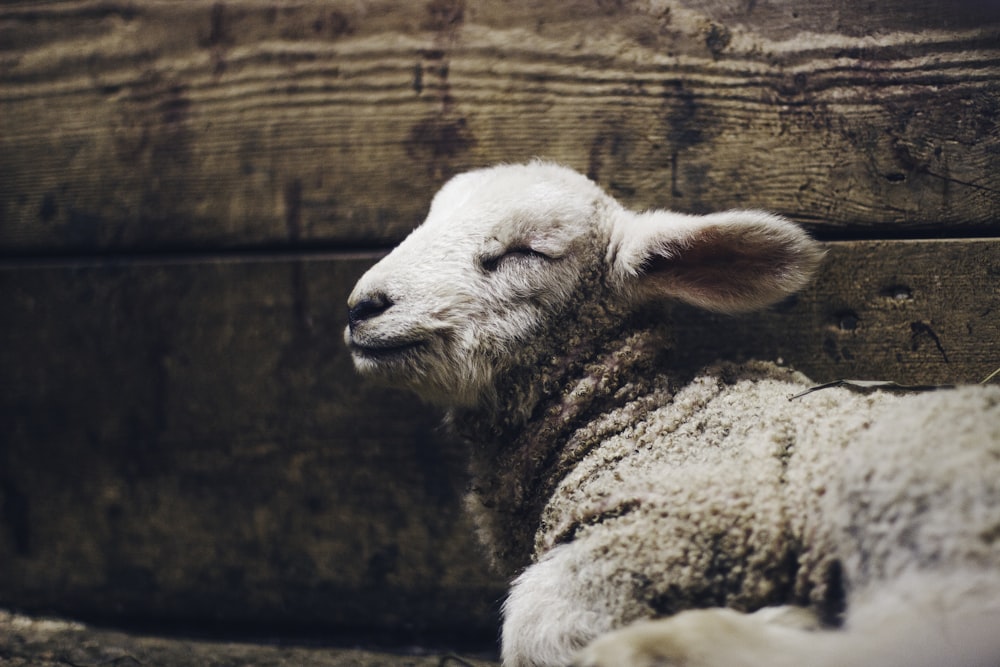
pixel 916 312
pixel 44 642
pixel 187 440
pixel 207 124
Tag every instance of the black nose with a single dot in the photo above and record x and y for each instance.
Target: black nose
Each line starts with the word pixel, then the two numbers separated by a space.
pixel 367 309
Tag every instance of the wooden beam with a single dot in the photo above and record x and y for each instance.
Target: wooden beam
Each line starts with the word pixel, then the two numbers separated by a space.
pixel 917 312
pixel 189 441
pixel 45 642
pixel 206 124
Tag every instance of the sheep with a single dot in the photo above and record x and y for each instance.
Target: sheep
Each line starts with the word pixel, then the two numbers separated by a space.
pixel 650 516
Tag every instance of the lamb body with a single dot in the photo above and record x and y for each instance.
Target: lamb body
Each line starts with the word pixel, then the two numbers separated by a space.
pixel 619 490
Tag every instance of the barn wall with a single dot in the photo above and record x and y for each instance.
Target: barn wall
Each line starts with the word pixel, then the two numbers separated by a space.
pixel 188 191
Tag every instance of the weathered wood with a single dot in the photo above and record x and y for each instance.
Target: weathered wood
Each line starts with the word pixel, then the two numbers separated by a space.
pixel 42 642
pixel 917 312
pixel 146 124
pixel 185 439
pixel 188 441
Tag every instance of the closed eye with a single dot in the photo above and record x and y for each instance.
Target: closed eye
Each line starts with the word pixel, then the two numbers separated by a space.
pixel 492 263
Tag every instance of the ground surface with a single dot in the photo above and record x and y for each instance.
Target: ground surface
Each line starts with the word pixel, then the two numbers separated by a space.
pixel 36 642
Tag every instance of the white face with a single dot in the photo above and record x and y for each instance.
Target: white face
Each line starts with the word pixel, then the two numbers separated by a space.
pixel 510 252
pixel 499 252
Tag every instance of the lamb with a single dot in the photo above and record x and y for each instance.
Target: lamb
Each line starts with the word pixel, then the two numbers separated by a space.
pixel 650 516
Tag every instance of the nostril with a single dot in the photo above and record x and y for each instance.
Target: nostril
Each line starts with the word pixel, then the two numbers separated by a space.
pixel 367 309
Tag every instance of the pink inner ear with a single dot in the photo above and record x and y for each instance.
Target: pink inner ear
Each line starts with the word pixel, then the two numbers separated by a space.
pixel 720 269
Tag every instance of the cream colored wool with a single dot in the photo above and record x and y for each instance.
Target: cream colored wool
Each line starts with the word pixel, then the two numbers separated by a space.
pixel 731 465
pixel 652 518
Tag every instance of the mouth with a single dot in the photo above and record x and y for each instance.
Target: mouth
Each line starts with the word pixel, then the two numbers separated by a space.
pixel 384 351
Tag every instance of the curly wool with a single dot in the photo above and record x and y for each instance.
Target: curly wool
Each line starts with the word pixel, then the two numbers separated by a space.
pixel 725 493
pixel 726 466
pixel 551 410
pixel 731 473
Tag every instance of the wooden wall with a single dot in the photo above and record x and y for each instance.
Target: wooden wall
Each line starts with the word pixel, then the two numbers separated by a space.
pixel 189 190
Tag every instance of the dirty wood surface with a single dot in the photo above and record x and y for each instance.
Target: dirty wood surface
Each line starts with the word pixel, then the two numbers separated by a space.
pixel 45 642
pixel 190 440
pixel 146 125
pixel 914 312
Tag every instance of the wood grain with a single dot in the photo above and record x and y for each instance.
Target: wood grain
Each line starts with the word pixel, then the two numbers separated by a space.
pixel 149 125
pixel 916 312
pixel 186 440
pixel 43 642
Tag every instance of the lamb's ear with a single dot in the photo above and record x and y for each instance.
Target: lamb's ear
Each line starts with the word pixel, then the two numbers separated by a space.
pixel 727 262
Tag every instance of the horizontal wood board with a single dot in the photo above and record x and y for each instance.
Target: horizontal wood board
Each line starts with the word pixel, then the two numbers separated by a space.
pixel 188 442
pixel 186 439
pixel 150 125
pixel 44 642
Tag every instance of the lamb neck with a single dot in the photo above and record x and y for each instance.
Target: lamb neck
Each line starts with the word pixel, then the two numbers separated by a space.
pixel 574 401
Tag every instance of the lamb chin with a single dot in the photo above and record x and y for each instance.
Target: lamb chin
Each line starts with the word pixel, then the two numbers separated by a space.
pixel 379 360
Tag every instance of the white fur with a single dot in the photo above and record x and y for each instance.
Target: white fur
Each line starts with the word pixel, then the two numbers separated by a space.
pixel 467 319
pixel 626 498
